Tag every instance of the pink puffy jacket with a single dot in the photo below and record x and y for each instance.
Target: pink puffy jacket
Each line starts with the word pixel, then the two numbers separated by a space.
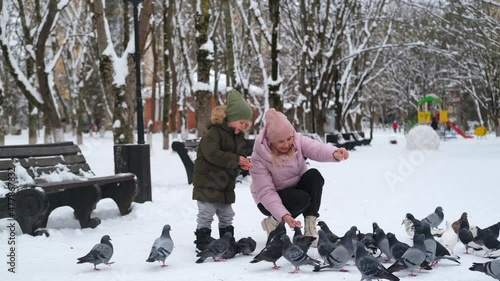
pixel 267 179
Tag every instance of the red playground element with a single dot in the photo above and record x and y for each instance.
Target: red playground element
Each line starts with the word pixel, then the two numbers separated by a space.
pixel 460 132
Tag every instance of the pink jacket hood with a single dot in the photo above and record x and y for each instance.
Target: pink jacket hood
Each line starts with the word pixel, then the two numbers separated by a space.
pixel 268 179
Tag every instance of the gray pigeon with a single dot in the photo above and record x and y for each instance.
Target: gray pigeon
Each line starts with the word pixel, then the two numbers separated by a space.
pixel 301 240
pixel 246 245
pixel 277 232
pixel 430 244
pixel 272 252
pixel 412 258
pixel 397 247
pixel 216 249
pixel 329 234
pixel 232 250
pixel 295 255
pixel 491 268
pixel 162 247
pixel 369 267
pixel 434 219
pixel 368 240
pixel 381 241
pixel 340 255
pixel 100 253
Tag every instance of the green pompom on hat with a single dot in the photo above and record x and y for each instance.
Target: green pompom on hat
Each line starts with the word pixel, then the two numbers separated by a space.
pixel 236 107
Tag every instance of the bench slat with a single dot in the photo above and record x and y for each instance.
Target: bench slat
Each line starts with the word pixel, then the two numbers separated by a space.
pixel 6 164
pixel 26 151
pixel 55 186
pixel 51 161
pixel 4 176
pixel 74 168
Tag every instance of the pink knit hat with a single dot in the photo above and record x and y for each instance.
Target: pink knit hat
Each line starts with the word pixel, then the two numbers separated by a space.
pixel 278 126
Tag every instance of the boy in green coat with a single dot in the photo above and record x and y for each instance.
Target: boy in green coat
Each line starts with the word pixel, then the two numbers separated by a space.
pixel 221 153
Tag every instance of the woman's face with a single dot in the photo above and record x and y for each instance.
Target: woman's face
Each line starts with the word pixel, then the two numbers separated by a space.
pixel 283 145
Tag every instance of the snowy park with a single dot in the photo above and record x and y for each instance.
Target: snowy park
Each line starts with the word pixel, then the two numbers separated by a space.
pixel 379 183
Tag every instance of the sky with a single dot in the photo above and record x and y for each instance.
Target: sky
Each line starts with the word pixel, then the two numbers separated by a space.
pixel 379 183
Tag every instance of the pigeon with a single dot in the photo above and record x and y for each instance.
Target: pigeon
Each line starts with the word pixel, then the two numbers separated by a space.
pixel 277 232
pixel 162 247
pixel 449 238
pixel 488 240
pixel 246 246
pixel 408 227
pixel 416 223
pixel 465 236
pixel 100 253
pixel 369 267
pixel 232 249
pixel 325 247
pixel 303 241
pixel 381 241
pixel 443 253
pixel 216 249
pixel 493 255
pixel 456 224
pixel 295 255
pixel 397 247
pixel 340 254
pixel 329 234
pixel 434 219
pixel 430 244
pixel 494 229
pixel 491 268
pixel 368 240
pixel 272 252
pixel 412 258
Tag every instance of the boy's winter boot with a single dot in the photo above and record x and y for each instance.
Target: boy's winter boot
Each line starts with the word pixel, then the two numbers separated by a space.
pixel 203 238
pixel 223 230
pixel 269 224
pixel 310 229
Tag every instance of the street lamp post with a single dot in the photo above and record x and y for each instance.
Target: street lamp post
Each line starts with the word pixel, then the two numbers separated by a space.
pixel 311 76
pixel 135 158
pixel 140 117
pixel 338 87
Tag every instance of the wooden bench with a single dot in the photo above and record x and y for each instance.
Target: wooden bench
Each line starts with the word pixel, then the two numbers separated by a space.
pixel 183 149
pixel 338 140
pixel 48 176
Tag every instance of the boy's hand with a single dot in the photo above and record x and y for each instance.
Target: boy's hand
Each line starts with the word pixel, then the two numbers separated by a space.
pixel 245 164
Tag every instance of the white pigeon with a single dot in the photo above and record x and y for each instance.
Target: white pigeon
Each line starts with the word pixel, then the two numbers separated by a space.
pixel 494 254
pixel 410 230
pixel 408 227
pixel 449 238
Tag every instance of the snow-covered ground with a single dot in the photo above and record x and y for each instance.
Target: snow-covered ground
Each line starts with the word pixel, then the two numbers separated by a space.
pixel 379 183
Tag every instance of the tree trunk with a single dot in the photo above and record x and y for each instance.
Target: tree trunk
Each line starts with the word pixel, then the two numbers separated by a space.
pixel 172 121
pixel 204 59
pixel 32 123
pixel 49 109
pixel 152 121
pixel 228 25
pixel 2 122
pixel 275 100
pixel 167 40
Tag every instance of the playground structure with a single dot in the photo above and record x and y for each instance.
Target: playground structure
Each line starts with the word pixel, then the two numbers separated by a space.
pixel 425 115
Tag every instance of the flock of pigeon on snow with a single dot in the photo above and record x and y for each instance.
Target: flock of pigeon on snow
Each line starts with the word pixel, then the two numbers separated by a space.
pixel 365 249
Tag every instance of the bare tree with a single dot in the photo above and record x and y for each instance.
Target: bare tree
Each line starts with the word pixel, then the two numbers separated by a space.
pixel 204 57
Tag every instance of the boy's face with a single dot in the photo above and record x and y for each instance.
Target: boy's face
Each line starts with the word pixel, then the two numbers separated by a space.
pixel 239 126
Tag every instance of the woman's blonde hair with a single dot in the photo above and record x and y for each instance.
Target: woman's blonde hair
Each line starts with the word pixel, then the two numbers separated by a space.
pixel 277 157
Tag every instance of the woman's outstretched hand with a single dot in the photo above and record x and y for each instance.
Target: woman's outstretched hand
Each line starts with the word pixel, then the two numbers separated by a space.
pixel 341 154
pixel 291 221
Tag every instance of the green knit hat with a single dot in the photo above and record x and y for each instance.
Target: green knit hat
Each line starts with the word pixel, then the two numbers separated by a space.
pixel 236 107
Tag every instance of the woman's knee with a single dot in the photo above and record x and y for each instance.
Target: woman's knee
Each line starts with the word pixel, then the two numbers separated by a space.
pixel 316 175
